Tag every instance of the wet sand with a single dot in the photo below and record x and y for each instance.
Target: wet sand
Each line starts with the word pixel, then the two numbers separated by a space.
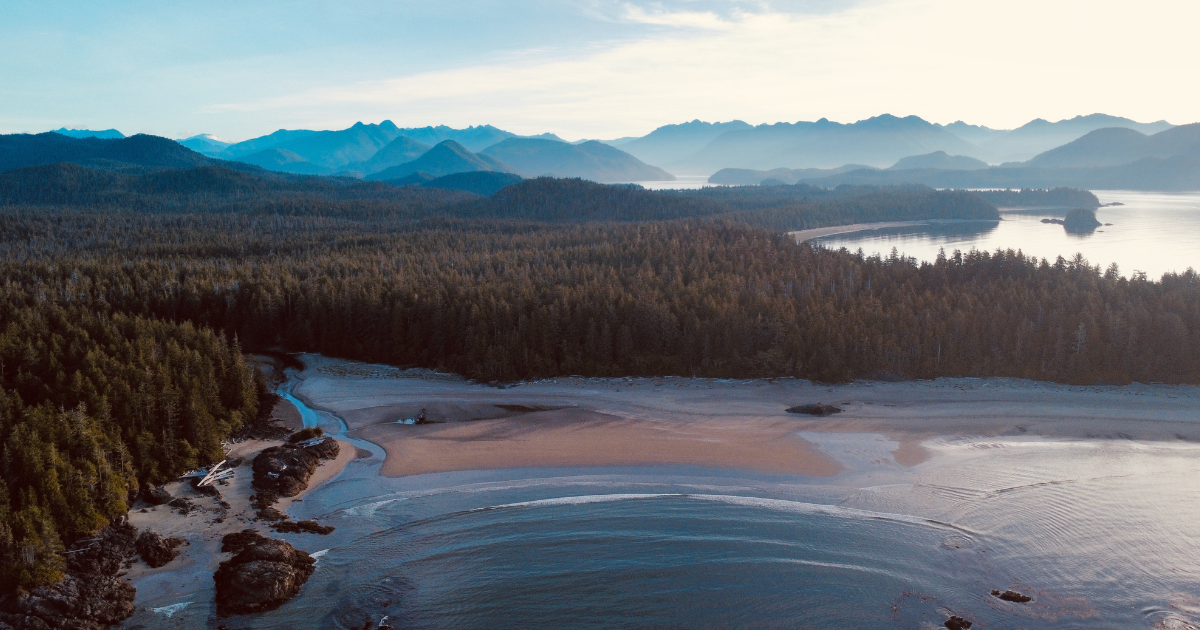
pixel 580 437
pixel 713 423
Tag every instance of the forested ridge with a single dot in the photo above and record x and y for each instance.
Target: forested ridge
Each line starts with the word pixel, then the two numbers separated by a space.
pixel 499 300
pixel 127 297
pixel 216 189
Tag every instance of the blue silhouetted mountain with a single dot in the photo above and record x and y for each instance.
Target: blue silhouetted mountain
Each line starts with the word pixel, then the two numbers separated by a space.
pixel 975 134
pixel 671 143
pixel 107 134
pixel 334 150
pixel 1116 146
pixel 207 144
pixel 20 150
pixel 878 141
pixel 940 160
pixel 1117 158
pixel 254 145
pixel 591 160
pixel 485 183
pixel 445 158
pixel 399 151
pixel 473 138
pixel 1039 136
pixel 283 161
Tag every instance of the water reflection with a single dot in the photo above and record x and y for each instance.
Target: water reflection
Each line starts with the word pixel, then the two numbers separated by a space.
pixel 1151 232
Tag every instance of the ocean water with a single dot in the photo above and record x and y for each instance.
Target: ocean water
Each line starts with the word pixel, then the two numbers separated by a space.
pixel 1103 534
pixel 1152 232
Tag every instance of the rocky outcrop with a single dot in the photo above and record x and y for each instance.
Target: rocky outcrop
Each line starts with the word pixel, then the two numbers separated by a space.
pixel 263 573
pixel 155 495
pixel 302 527
pixel 285 469
pixel 90 597
pixel 957 623
pixel 1011 596
pixel 76 603
pixel 157 551
pixel 815 409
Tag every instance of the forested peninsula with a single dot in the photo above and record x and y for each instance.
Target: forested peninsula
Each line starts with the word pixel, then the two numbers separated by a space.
pixel 127 297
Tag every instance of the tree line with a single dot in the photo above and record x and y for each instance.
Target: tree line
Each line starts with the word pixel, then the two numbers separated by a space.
pixel 94 403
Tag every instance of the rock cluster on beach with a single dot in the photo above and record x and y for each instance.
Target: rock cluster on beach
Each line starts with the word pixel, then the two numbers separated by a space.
pixel 302 527
pixel 1011 596
pixel 90 597
pixel 155 495
pixel 157 551
pixel 957 623
pixel 262 574
pixel 285 469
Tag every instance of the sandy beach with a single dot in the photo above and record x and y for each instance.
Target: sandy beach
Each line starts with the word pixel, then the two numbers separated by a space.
pixel 714 423
pixel 808 235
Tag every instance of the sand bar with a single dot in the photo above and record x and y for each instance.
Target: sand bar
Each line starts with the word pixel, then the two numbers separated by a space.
pixel 808 235
pixel 715 423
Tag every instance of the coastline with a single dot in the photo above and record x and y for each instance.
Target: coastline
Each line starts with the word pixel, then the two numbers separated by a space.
pixel 896 448
pixel 814 233
pixel 714 423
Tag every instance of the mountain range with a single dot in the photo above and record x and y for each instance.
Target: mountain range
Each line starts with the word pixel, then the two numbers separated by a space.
pixel 22 150
pixel 1110 158
pixel 107 134
pixel 1091 151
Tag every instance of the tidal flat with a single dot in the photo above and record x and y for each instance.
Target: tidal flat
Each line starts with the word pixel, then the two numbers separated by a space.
pixel 704 503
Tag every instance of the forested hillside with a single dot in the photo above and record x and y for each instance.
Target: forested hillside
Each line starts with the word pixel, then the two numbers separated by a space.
pixel 211 189
pixel 94 402
pixel 508 300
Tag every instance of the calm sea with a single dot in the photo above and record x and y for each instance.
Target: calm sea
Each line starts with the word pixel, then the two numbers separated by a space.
pixel 1152 232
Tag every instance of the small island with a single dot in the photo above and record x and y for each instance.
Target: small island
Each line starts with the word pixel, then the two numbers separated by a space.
pixel 1077 221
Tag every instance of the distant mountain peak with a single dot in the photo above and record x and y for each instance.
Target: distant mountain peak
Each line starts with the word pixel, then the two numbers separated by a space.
pixel 106 134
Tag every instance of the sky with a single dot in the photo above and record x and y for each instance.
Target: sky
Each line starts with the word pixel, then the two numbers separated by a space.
pixel 586 68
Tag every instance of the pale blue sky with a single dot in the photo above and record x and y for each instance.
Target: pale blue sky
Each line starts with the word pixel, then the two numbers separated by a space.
pixel 585 68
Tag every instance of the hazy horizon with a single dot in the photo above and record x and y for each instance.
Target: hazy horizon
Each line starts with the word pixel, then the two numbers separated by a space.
pixel 585 68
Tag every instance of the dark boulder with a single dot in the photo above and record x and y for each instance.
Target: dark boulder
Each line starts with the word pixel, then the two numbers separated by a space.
pixel 263 574
pixel 184 506
pixel 237 541
pixel 815 409
pixel 302 527
pixel 157 551
pixel 1012 596
pixel 957 623
pixel 155 495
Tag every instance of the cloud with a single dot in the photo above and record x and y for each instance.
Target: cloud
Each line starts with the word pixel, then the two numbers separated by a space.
pixel 993 63
pixel 677 19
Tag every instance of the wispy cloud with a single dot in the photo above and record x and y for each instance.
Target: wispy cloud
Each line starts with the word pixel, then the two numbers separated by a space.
pixel 941 59
pixel 679 19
